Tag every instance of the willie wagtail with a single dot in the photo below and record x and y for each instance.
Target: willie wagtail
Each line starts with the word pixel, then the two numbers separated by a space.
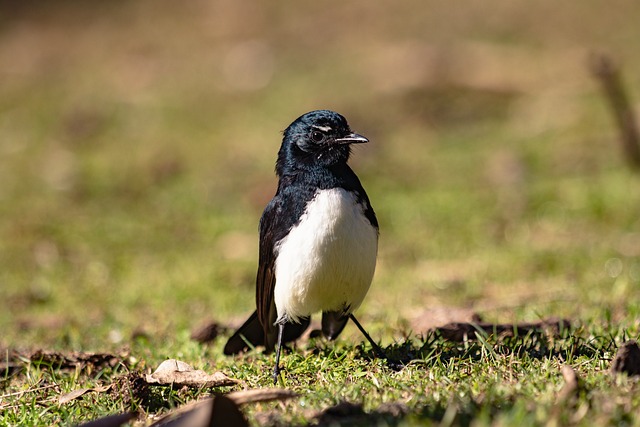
pixel 318 239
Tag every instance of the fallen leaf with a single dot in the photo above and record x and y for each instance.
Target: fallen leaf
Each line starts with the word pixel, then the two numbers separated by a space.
pixel 179 374
pixel 68 397
pixel 116 420
pixel 172 365
pixel 627 359
pixel 260 395
pixel 226 414
pixel 213 412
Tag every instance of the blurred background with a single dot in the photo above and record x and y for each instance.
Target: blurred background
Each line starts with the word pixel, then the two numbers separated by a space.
pixel 137 144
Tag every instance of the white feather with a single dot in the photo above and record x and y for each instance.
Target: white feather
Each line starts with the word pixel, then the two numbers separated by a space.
pixel 327 260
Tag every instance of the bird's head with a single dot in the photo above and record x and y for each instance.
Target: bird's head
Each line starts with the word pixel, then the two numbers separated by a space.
pixel 318 138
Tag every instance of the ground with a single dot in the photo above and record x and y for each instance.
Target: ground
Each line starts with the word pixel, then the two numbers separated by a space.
pixel 137 145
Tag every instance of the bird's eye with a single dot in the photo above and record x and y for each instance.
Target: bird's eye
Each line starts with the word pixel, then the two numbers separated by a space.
pixel 317 136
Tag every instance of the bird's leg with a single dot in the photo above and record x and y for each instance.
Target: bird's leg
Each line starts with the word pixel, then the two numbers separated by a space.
pixel 379 352
pixel 393 364
pixel 276 369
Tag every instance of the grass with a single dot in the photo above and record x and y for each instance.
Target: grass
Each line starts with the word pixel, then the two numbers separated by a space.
pixel 136 155
pixel 485 381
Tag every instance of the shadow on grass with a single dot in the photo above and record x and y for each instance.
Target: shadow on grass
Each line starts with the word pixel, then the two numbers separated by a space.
pixel 394 414
pixel 435 347
pixel 433 350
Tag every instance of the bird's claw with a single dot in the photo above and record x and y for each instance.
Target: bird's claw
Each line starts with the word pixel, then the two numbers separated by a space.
pixel 276 374
pixel 395 365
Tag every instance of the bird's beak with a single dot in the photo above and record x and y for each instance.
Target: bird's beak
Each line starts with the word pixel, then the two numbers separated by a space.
pixel 352 138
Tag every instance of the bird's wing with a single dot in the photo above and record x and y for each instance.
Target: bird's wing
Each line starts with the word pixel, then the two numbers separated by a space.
pixel 260 328
pixel 276 222
pixel 266 278
pixel 250 334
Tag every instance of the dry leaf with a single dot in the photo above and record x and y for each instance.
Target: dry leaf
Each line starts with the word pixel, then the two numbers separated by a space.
pixel 217 412
pixel 110 421
pixel 226 414
pixel 221 410
pixel 171 365
pixel 68 397
pixel 260 395
pixel 627 359
pixel 179 374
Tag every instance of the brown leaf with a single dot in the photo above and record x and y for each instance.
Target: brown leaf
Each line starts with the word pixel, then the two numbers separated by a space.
pixel 116 420
pixel 172 365
pixel 68 397
pixel 260 395
pixel 217 412
pixel 179 374
pixel 627 359
pixel 226 414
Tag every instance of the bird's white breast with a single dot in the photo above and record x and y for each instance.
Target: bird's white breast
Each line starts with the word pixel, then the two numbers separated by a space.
pixel 327 260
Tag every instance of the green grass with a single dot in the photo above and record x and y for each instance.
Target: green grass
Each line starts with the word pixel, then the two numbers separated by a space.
pixel 134 168
pixel 513 380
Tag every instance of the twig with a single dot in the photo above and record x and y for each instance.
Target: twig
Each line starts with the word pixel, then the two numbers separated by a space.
pixel 7 406
pixel 31 390
pixel 608 73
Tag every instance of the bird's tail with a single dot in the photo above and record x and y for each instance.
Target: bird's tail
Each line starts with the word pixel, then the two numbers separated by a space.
pixel 248 335
pixel 333 322
pixel 252 334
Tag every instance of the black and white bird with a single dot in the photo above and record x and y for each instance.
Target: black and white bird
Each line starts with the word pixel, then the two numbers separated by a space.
pixel 318 239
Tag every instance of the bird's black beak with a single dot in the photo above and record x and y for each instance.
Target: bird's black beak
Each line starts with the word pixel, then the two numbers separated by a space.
pixel 352 138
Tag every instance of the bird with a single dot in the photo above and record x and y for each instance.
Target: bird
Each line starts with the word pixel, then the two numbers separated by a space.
pixel 318 239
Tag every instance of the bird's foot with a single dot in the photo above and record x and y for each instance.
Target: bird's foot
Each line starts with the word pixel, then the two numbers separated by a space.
pixel 395 364
pixel 276 374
